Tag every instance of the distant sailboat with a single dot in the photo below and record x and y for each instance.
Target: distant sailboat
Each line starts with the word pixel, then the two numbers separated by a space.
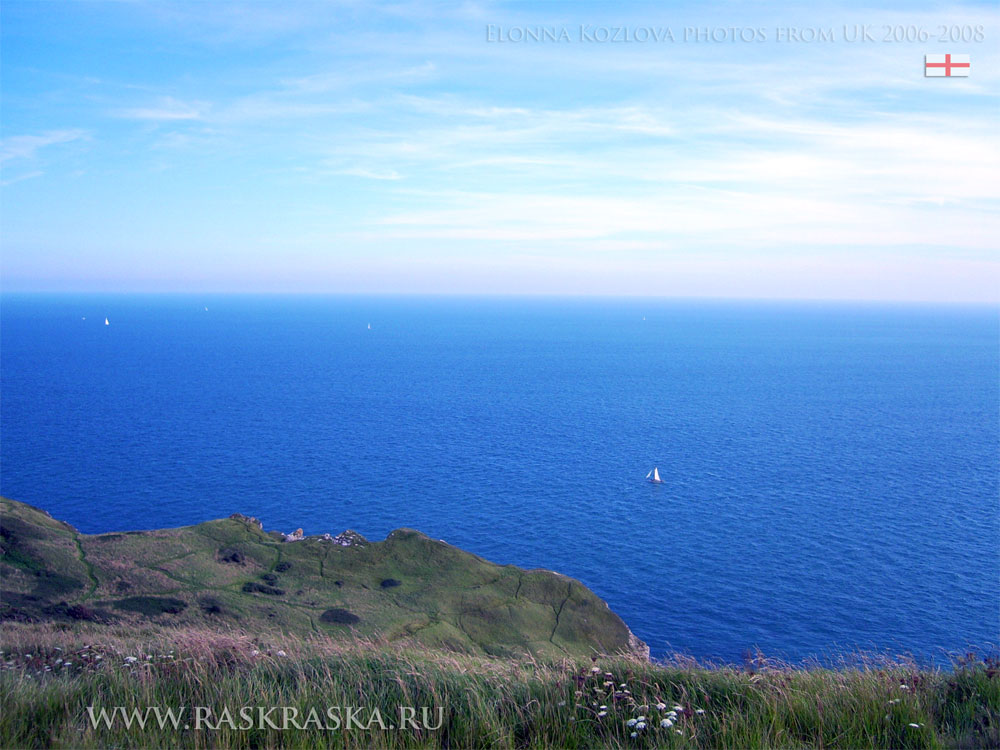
pixel 106 322
pixel 369 326
pixel 654 476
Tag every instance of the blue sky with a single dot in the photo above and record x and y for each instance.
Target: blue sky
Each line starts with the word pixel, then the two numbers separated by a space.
pixel 433 148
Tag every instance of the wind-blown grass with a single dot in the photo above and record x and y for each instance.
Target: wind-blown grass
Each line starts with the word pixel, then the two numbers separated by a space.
pixel 610 702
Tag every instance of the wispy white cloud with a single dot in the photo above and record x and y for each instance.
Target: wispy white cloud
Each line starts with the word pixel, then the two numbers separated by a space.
pixel 27 146
pixel 166 109
pixel 389 174
pixel 696 217
pixel 22 177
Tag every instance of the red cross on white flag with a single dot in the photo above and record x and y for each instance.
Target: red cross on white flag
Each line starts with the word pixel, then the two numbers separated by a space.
pixel 948 66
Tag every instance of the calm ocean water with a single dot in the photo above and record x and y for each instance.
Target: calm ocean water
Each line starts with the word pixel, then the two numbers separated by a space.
pixel 831 471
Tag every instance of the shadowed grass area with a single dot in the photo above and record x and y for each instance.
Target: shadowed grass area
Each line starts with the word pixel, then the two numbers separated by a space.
pixel 151 605
pixel 52 673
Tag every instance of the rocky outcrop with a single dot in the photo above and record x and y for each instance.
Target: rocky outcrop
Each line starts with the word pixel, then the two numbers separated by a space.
pixel 349 538
pixel 637 646
pixel 248 520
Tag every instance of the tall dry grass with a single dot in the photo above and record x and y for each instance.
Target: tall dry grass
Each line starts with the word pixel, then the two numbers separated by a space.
pixel 514 703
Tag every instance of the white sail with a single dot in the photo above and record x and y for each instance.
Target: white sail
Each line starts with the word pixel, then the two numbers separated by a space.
pixel 106 322
pixel 649 475
pixel 656 474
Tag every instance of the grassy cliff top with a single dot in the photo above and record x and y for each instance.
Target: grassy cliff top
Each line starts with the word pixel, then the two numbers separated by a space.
pixel 230 573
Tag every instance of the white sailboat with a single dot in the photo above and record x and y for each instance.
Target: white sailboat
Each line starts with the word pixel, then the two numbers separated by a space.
pixel 106 322
pixel 654 476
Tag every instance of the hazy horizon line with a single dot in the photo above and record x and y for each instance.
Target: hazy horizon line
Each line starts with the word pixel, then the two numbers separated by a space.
pixel 994 304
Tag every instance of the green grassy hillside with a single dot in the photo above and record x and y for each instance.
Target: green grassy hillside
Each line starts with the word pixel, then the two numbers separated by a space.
pixel 231 574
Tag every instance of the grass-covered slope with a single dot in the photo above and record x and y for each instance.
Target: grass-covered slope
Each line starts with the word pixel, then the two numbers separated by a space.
pixel 52 675
pixel 230 573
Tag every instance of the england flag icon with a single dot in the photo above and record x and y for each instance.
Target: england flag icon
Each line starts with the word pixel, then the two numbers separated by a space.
pixel 946 66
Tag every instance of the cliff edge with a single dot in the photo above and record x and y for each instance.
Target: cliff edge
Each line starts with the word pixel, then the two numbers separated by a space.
pixel 230 572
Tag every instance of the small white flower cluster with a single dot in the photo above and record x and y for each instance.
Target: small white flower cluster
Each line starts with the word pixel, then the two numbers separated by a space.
pixel 638 724
pixel 623 698
pixel 671 715
pixel 41 664
pixel 667 722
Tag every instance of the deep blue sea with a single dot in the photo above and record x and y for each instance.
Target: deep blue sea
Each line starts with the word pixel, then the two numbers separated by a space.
pixel 830 470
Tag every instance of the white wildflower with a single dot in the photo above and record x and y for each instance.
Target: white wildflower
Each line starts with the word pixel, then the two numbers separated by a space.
pixel 601 714
pixel 678 731
pixel 904 687
pixel 700 711
pixel 661 706
pixel 631 722
pixel 130 660
pixel 561 703
pixel 595 670
pixel 667 723
pixel 640 725
pixel 678 708
pixel 282 653
pixel 604 708
pixel 634 735
pixel 915 726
